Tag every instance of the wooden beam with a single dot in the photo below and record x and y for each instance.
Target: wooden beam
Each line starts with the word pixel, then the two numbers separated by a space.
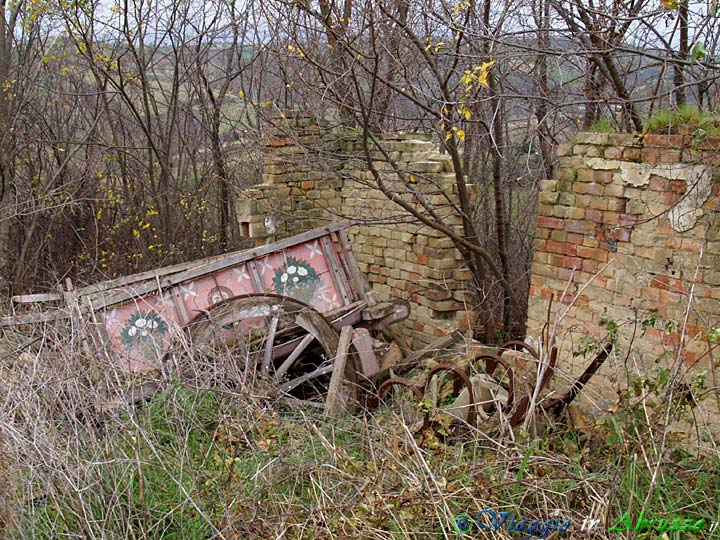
pixel 412 359
pixel 36 298
pixel 171 275
pixel 333 402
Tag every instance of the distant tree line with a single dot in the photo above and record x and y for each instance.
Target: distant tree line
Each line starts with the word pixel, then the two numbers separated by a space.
pixel 128 129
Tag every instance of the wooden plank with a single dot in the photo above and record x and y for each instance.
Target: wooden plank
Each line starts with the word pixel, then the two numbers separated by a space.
pixel 34 318
pixel 365 350
pixel 255 277
pixel 412 359
pixel 336 274
pixel 36 298
pixel 348 261
pixel 171 275
pixel 333 402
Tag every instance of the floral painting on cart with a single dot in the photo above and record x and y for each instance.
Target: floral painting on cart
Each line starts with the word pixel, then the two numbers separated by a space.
pixel 140 331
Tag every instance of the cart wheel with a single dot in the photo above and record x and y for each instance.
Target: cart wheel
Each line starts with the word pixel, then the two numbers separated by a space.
pixel 273 342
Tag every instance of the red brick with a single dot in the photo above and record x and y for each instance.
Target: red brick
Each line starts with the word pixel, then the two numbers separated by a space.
pixel 650 155
pixel 660 282
pixel 621 234
pixel 658 183
pixel 590 266
pixel 561 247
pixel 566 262
pixel 627 220
pixel 678 286
pixel 565 274
pixel 546 294
pixel 550 223
pixel 594 215
pixel 679 186
pixel 649 293
pixel 574 238
pixel 670 298
pixel 666 141
pixel 604 177
pixel 710 143
pixel 670 155
pixel 592 253
pixel 669 198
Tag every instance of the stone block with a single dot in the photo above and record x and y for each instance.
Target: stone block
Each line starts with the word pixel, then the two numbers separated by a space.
pixel 591 137
pixel 547 197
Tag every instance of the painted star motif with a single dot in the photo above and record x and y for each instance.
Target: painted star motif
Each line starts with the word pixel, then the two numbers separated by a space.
pixel 314 249
pixel 241 274
pixel 265 266
pixel 111 318
pixel 188 290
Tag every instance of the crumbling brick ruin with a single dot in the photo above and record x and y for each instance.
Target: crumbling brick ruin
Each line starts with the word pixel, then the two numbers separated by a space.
pixel 311 174
pixel 628 234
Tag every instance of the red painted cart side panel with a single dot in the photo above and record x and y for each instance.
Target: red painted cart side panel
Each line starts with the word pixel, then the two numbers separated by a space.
pixel 141 330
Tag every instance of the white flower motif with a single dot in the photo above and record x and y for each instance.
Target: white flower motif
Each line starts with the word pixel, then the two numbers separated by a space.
pixel 302 271
pixel 152 324
pixel 140 323
pixel 296 279
pixel 284 278
pixel 291 269
pixel 132 331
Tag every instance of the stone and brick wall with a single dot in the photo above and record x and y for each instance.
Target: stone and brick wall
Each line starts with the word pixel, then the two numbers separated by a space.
pixel 312 174
pixel 629 231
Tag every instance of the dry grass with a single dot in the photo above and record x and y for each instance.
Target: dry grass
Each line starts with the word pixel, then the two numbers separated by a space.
pixel 204 459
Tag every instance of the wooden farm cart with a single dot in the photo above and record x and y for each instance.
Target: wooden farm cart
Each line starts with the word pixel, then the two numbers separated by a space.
pixel 277 309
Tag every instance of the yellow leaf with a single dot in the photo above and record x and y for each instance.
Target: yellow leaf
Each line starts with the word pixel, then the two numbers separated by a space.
pixel 266 103
pixel 136 233
pixel 447 137
pixel 461 134
pixel 241 94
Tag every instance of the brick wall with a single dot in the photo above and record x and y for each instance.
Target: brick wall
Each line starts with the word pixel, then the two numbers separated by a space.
pixel 311 174
pixel 629 231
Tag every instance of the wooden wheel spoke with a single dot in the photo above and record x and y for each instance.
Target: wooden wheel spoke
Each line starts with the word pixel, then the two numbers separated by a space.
pixel 277 338
pixel 290 385
pixel 290 360
pixel 269 343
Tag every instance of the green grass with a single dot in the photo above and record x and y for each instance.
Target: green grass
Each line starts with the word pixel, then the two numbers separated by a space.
pixel 211 462
pixel 193 463
pixel 603 125
pixel 668 121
